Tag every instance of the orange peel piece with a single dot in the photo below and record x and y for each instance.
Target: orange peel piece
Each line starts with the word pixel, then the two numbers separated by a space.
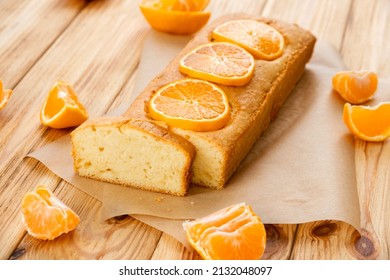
pixel 180 17
pixel 368 123
pixel 62 108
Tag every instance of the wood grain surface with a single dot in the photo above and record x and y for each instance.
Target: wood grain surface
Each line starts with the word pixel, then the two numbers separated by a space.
pixel 96 46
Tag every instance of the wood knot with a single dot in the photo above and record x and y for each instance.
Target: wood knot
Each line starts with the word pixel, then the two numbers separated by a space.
pixel 118 219
pixel 273 234
pixel 277 241
pixel 17 253
pixel 324 229
pixel 364 246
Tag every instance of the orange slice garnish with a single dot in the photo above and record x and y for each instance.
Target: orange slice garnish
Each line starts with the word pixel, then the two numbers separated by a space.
pixel 175 16
pixel 45 216
pixel 258 38
pixel 368 123
pixel 355 87
pixel 222 63
pixel 62 108
pixel 5 94
pixel 191 104
pixel 232 233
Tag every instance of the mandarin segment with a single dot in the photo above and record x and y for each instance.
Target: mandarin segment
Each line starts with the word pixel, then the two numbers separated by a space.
pixel 62 108
pixel 232 233
pixel 355 87
pixel 370 123
pixel 5 94
pixel 260 39
pixel 179 17
pixel 222 63
pixel 45 216
pixel 191 104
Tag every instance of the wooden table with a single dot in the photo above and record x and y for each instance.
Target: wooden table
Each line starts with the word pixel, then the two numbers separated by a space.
pixel 96 46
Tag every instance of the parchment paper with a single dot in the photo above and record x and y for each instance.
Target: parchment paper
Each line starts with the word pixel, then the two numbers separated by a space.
pixel 302 169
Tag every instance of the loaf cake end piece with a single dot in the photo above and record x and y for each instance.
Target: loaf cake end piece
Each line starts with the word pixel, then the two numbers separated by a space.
pixel 131 152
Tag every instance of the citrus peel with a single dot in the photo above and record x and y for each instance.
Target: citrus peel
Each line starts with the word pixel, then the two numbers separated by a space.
pixel 62 108
pixel 179 17
pixel 370 123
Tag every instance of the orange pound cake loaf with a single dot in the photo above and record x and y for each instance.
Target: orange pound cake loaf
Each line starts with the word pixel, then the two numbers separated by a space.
pixel 250 78
pixel 137 153
pixel 253 106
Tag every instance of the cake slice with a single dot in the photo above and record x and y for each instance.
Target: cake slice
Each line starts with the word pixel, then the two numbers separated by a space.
pixel 131 152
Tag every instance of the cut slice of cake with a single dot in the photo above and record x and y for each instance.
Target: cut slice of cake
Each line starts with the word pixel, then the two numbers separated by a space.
pixel 131 152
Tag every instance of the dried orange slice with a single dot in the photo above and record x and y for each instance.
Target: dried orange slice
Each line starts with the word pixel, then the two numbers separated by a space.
pixel 232 233
pixel 368 123
pixel 45 216
pixel 355 87
pixel 175 16
pixel 5 94
pixel 191 104
pixel 62 108
pixel 258 38
pixel 222 63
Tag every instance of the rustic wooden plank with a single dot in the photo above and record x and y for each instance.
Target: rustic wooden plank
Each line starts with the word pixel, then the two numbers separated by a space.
pixel 27 29
pixel 222 7
pixel 327 21
pixel 118 238
pixel 169 248
pixel 362 48
pixel 98 53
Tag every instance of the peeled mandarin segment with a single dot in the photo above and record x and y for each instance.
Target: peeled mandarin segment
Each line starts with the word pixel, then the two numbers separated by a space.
pixel 222 63
pixel 5 94
pixel 175 17
pixel 234 232
pixel 355 87
pixel 368 123
pixel 191 104
pixel 62 108
pixel 45 216
pixel 258 38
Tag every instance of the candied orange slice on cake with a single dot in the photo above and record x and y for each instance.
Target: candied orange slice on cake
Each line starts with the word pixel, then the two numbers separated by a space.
pixel 232 233
pixel 45 216
pixel 260 39
pixel 355 87
pixel 191 104
pixel 5 94
pixel 222 63
pixel 62 108
pixel 368 123
pixel 175 16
